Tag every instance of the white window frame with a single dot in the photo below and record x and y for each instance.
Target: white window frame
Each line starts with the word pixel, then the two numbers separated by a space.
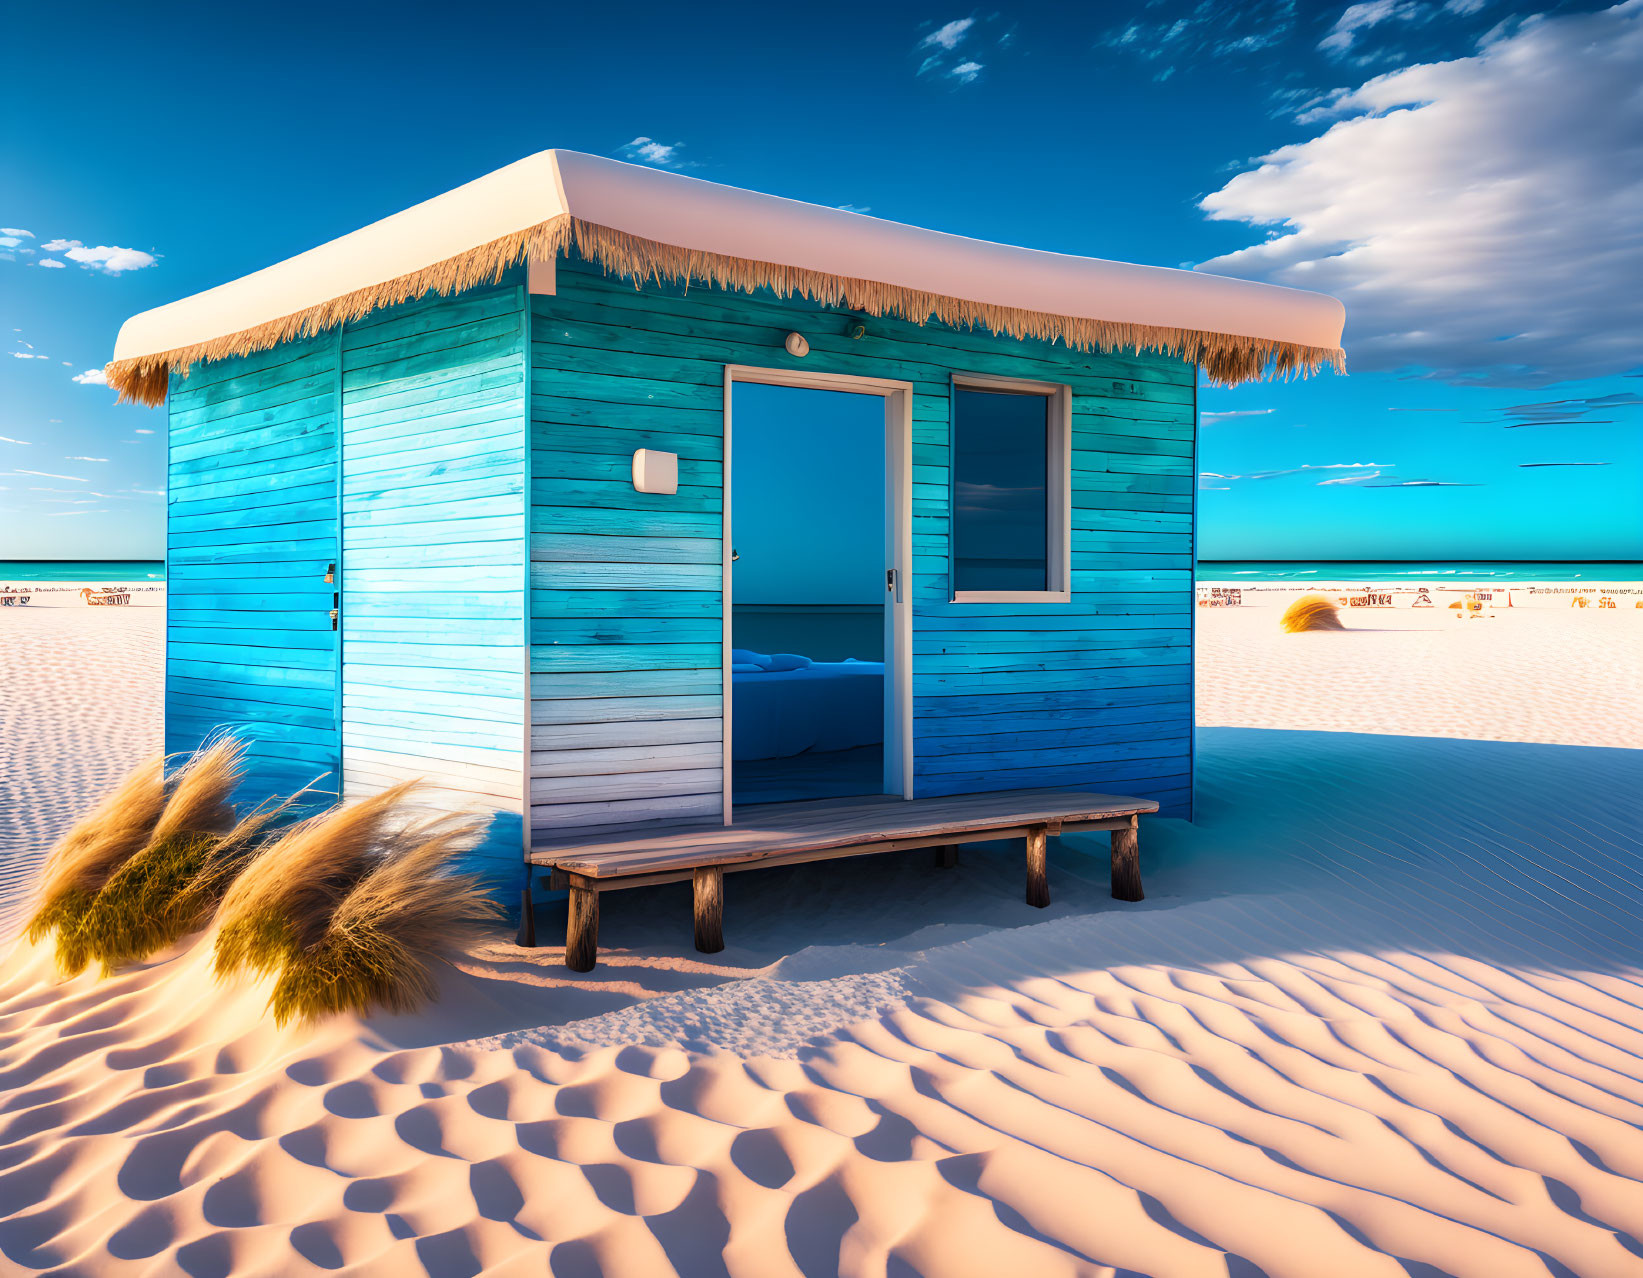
pixel 1058 490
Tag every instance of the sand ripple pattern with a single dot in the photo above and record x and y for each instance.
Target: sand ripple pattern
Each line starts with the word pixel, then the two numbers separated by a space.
pixel 1381 1014
pixel 80 692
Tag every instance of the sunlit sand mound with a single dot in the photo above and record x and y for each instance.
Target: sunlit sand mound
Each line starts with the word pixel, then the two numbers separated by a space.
pixel 1311 612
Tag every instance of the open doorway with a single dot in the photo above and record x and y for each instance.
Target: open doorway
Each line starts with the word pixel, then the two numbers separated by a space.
pixel 812 592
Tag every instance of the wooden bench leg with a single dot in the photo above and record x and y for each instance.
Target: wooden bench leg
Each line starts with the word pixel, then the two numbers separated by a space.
pixel 582 930
pixel 947 856
pixel 1038 867
pixel 526 938
pixel 1126 863
pixel 708 886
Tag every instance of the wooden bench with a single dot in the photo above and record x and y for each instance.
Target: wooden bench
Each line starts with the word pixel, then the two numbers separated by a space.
pixel 791 833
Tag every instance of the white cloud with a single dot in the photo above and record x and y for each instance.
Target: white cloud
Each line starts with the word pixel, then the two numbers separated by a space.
pixel 7 439
pixel 48 514
pixel 948 36
pixel 101 459
pixel 46 474
pixel 28 355
pixel 143 430
pixel 9 241
pixel 1350 479
pixel 1307 468
pixel 51 264
pixel 663 155
pixel 1360 17
pixel 107 258
pixel 92 377
pixel 1478 217
pixel 1464 8
pixel 1207 418
pixel 1423 483
pixel 854 208
pixel 17 231
pixel 965 72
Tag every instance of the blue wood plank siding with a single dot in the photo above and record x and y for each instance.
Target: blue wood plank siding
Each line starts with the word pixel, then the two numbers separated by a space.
pixel 251 530
pixel 433 530
pixel 626 610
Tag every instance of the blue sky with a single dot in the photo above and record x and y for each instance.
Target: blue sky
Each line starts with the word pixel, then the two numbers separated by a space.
pixel 1465 175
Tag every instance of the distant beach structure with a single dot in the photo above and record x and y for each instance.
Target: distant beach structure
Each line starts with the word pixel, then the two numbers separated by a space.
pixel 453 497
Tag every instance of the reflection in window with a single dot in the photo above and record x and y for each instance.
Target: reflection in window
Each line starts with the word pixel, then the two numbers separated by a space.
pixel 1001 466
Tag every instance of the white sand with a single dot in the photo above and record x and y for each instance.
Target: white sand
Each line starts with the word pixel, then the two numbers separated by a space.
pixel 1381 1013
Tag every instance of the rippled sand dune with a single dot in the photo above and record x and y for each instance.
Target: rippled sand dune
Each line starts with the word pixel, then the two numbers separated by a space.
pixel 1381 1013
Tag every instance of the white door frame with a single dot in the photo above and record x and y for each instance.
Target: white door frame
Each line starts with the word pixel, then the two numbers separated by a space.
pixel 898 541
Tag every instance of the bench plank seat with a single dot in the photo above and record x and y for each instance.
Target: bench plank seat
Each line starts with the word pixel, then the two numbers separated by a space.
pixel 792 833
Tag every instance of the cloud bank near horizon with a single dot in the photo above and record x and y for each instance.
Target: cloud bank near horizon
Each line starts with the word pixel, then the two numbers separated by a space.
pixel 1478 216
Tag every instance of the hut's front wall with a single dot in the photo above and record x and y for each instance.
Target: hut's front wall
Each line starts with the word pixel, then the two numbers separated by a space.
pixel 626 686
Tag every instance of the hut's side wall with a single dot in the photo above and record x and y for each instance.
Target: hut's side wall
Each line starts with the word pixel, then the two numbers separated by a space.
pixel 251 530
pixel 394 450
pixel 626 610
pixel 433 533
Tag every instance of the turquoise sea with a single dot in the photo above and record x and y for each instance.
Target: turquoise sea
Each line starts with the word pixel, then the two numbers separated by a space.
pixel 1348 570
pixel 130 570
pixel 86 570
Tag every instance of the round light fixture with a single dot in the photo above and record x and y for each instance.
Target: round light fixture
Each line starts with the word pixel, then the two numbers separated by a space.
pixel 796 345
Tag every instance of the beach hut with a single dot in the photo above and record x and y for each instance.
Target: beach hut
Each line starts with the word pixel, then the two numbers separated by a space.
pixel 608 499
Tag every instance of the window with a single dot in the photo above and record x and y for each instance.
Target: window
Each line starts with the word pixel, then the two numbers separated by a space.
pixel 1010 500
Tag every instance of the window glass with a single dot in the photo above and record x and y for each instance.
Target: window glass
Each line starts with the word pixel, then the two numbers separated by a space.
pixel 1001 464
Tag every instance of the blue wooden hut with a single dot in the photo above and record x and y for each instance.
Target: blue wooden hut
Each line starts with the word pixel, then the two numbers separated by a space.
pixel 452 497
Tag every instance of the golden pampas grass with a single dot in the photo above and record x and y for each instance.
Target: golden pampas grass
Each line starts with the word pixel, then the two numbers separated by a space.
pixel 348 908
pixel 1226 358
pixel 1311 612
pixel 88 854
pixel 148 822
pixel 376 947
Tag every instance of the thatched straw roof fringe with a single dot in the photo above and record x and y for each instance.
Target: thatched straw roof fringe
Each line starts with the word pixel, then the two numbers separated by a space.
pixel 1227 358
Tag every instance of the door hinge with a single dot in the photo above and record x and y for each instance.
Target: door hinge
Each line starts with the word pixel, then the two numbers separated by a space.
pixel 330 574
pixel 333 619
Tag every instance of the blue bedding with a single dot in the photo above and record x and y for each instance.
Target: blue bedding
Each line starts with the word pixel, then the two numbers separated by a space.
pixel 826 705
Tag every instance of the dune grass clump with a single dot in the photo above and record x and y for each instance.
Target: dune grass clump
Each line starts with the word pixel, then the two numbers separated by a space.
pixel 88 854
pixel 172 888
pixel 148 821
pixel 348 908
pixel 1311 612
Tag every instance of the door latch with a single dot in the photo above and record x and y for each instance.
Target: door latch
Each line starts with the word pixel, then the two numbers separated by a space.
pixel 890 580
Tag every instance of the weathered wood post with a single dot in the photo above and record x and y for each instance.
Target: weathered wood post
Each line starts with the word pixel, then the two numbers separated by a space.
pixel 582 929
pixel 708 886
pixel 947 856
pixel 1038 867
pixel 1126 862
pixel 526 936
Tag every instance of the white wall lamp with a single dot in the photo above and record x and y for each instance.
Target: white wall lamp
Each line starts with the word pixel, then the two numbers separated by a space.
pixel 655 472
pixel 796 345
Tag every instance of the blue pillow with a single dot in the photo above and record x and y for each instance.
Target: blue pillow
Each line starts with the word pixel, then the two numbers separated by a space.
pixel 789 661
pixel 747 667
pixel 747 657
